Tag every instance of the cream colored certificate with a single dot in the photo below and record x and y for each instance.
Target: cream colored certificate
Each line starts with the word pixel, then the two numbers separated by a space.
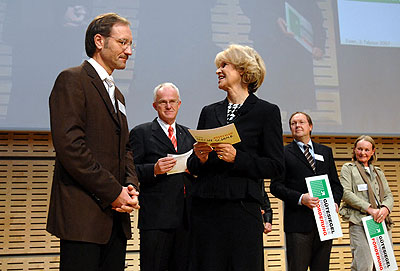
pixel 181 160
pixel 225 134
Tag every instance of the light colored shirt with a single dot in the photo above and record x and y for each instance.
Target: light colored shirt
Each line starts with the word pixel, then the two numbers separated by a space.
pixel 301 146
pixel 165 126
pixel 103 74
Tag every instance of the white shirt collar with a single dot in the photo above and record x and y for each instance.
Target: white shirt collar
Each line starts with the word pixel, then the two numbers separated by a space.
pixel 165 126
pixel 301 145
pixel 103 74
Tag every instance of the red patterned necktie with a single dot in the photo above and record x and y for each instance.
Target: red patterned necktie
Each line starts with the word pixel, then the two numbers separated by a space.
pixel 172 137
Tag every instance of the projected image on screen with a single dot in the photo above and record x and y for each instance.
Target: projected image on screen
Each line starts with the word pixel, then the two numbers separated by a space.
pixel 369 22
pixel 346 89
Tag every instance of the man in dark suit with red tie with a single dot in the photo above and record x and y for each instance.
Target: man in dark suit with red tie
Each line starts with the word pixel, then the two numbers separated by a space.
pixel 164 198
pixel 94 183
pixel 304 158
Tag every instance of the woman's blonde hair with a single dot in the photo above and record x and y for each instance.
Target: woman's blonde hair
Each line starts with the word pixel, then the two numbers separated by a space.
pixel 247 61
pixel 368 139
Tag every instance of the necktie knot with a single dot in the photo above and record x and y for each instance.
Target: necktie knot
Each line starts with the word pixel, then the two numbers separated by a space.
pixel 111 88
pixel 170 131
pixel 308 156
pixel 109 81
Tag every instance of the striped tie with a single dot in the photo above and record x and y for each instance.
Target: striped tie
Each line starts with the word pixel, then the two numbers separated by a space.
pixel 309 157
pixel 172 137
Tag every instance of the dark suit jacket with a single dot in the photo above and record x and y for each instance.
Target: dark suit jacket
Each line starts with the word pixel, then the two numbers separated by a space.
pixel 290 186
pixel 92 162
pixel 162 201
pixel 259 155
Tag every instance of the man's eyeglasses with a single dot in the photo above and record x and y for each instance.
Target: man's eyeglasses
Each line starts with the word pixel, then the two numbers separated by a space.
pixel 125 43
pixel 165 103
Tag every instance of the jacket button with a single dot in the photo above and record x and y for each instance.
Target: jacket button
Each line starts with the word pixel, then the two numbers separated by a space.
pixel 118 131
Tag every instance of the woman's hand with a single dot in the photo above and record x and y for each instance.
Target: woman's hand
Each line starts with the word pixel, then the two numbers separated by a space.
pixel 267 227
pixel 225 152
pixel 202 150
pixel 378 215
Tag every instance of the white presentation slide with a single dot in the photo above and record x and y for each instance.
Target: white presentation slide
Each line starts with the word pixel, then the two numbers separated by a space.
pixel 369 22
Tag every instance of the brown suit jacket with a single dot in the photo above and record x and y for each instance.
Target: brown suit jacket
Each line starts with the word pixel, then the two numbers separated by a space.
pixel 92 159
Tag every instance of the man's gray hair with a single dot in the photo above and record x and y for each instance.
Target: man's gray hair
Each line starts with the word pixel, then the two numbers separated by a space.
pixel 166 84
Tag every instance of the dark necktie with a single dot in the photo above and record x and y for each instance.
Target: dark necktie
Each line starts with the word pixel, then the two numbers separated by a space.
pixel 172 137
pixel 309 157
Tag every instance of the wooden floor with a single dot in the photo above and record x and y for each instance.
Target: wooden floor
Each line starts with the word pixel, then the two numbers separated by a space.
pixel 26 167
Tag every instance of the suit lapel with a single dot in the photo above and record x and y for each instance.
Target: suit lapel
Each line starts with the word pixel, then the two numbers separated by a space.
pixel 160 135
pixel 98 84
pixel 294 149
pixel 182 139
pixel 220 112
pixel 247 106
pixel 317 150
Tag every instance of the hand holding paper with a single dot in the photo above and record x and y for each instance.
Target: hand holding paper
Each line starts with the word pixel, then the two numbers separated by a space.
pixel 225 152
pixel 309 201
pixel 180 162
pixel 202 149
pixel 164 165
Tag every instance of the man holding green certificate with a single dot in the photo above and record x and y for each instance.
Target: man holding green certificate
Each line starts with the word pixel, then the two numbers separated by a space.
pixel 304 158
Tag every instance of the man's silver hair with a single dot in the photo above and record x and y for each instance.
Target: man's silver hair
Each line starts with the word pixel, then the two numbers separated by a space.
pixel 166 84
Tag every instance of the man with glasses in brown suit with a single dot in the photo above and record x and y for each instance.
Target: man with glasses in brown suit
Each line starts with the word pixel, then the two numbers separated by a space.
pixel 95 184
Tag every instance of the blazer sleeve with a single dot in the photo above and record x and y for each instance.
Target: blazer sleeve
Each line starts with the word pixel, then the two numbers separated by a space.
pixel 68 121
pixel 266 207
pixel 193 163
pixel 137 141
pixel 268 163
pixel 130 169
pixel 279 189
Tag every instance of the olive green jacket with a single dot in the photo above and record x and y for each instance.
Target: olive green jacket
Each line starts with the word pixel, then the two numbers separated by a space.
pixel 356 202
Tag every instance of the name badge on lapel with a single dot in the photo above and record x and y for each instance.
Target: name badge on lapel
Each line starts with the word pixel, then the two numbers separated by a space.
pixel 319 157
pixel 121 107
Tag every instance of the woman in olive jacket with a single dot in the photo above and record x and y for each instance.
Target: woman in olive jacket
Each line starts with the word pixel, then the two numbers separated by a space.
pixel 357 202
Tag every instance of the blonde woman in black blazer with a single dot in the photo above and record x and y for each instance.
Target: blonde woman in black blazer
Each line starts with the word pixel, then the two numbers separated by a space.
pixel 228 192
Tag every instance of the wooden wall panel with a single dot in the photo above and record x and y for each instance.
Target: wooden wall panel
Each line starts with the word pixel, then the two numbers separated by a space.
pixel 340 258
pixel 30 263
pixel 26 167
pixel 274 259
pixel 276 237
pixel 134 242
pixel 132 261
pixel 24 195
pixel 22 144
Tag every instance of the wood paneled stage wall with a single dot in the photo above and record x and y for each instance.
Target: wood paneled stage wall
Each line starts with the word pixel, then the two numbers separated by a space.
pixel 26 167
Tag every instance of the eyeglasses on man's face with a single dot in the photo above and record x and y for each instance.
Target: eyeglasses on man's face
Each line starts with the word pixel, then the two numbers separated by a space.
pixel 170 102
pixel 124 43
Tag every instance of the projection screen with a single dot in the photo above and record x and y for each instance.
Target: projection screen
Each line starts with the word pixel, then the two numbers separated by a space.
pixel 337 60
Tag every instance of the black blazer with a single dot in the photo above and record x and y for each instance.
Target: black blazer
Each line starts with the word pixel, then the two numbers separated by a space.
pixel 92 162
pixel 290 186
pixel 259 155
pixel 162 201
